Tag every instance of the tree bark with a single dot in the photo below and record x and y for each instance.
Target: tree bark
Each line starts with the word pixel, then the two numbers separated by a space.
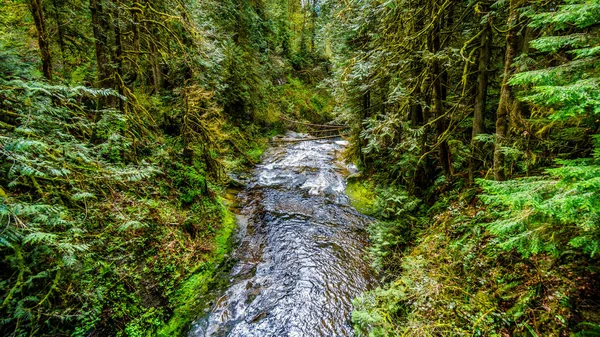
pixel 419 108
pixel 156 71
pixel 101 29
pixel 157 75
pixel 313 32
pixel 188 152
pixel 135 18
pixel 506 97
pixel 517 122
pixel 485 52
pixel 365 112
pixel 441 124
pixel 118 70
pixel 37 11
pixel 482 82
pixel 61 35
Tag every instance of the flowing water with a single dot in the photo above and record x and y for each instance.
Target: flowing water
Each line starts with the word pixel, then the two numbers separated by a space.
pixel 300 259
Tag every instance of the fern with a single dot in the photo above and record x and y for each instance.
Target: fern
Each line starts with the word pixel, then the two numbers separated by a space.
pixel 572 87
pixel 48 154
pixel 561 210
pixel 550 214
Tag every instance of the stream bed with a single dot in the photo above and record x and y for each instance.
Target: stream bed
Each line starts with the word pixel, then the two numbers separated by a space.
pixel 300 252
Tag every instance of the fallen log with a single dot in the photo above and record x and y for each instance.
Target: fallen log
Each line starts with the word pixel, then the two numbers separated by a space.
pixel 290 140
pixel 316 125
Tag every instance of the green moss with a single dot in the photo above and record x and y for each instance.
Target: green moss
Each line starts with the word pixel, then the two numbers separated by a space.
pixel 227 228
pixel 362 196
pixel 256 151
pixel 454 277
pixel 195 294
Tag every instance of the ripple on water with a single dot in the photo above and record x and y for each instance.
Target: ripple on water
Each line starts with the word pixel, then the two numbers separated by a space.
pixel 300 260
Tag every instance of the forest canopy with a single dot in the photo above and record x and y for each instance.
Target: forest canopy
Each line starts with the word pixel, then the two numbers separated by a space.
pixel 475 125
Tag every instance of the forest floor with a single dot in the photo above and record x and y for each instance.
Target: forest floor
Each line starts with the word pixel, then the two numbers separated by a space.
pixel 445 275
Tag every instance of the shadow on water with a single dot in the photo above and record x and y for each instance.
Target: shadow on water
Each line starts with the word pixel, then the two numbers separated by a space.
pixel 300 258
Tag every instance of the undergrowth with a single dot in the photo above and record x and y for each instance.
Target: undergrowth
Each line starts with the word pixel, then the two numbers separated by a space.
pixel 447 274
pixel 101 230
pixel 193 296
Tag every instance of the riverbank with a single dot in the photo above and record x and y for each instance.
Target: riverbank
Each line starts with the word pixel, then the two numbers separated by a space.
pixel 445 273
pixel 196 294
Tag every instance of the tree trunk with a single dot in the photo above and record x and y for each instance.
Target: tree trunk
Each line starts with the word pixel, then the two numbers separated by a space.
pixel 416 114
pixel 61 36
pixel 482 82
pixel 118 71
pixel 441 124
pixel 313 32
pixel 365 112
pixel 156 71
pixel 101 29
pixel 303 46
pixel 517 122
pixel 135 17
pixel 506 98
pixel 188 153
pixel 157 75
pixel 485 52
pixel 419 109
pixel 37 11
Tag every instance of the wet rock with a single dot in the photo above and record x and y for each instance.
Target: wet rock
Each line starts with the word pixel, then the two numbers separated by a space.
pixel 300 257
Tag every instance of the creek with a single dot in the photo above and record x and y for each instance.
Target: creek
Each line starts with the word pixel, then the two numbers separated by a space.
pixel 299 260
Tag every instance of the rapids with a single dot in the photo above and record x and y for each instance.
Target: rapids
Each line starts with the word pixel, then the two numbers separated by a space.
pixel 300 256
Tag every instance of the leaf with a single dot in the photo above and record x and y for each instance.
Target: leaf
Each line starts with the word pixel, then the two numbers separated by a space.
pixel 40 237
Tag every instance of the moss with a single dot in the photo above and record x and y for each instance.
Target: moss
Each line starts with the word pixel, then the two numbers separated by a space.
pixel 456 281
pixel 256 151
pixel 245 147
pixel 195 294
pixel 362 196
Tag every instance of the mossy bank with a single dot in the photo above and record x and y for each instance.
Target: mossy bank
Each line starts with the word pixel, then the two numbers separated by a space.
pixel 195 295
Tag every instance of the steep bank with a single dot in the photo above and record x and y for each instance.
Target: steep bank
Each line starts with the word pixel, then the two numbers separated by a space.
pixel 446 274
pixel 475 125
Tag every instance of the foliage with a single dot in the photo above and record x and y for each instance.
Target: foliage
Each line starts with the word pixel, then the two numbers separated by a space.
pixel 362 196
pixel 430 88
pixel 244 89
pixel 570 88
pixel 192 297
pixel 548 215
pixel 111 163
pixel 556 213
pixel 455 281
pixel 76 198
pixel 299 100
pixel 395 230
